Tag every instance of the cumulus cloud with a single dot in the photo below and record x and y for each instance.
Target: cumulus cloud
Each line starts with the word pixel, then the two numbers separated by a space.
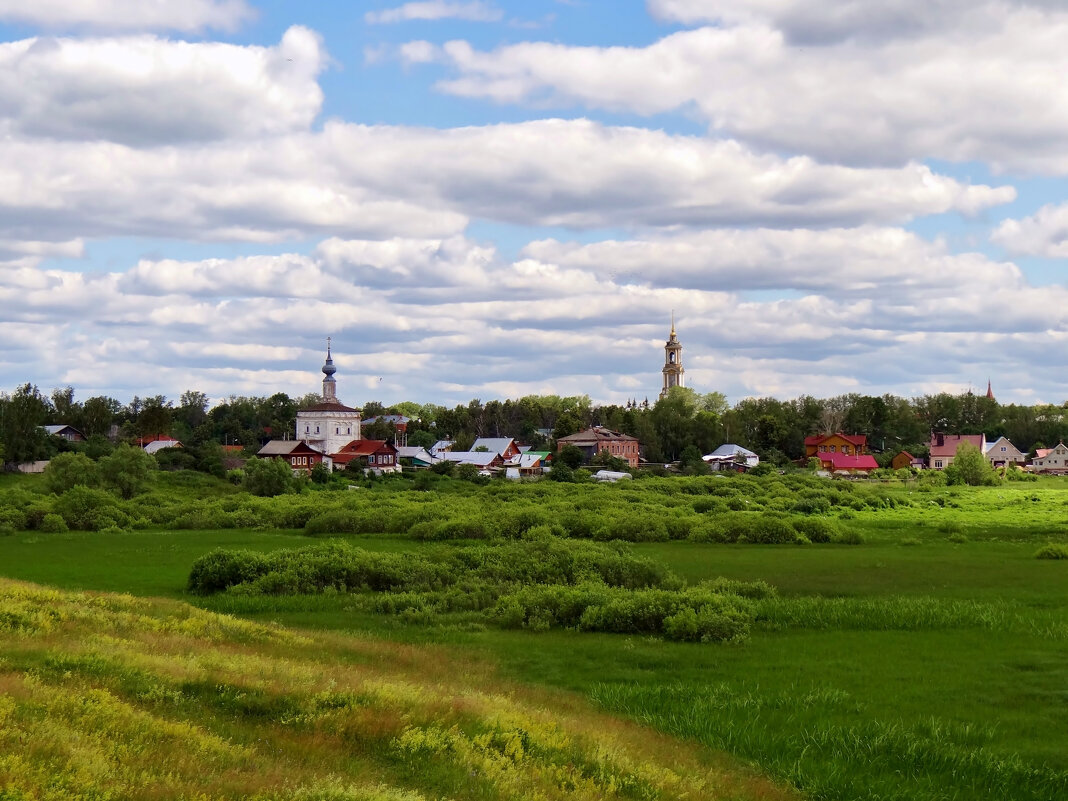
pixel 816 22
pixel 583 174
pixel 844 262
pixel 385 181
pixel 473 11
pixel 1044 233
pixel 263 190
pixel 187 15
pixel 255 324
pixel 991 95
pixel 144 90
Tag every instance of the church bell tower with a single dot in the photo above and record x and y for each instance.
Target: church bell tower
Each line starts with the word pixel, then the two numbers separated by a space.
pixel 673 370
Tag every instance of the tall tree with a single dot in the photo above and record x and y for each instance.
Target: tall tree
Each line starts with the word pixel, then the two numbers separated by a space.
pixel 21 417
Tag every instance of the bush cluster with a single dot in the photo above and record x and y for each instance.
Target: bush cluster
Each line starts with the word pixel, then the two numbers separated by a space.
pixel 695 614
pixel 342 567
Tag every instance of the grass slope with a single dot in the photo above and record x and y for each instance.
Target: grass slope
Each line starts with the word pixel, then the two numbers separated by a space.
pixel 929 672
pixel 110 696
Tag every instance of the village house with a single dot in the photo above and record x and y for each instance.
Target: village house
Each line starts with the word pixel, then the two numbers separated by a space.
pixel 599 439
pixel 64 431
pixel 440 447
pixel 849 444
pixel 374 454
pixel 1051 460
pixel 506 447
pixel 943 448
pixel 904 460
pixel 837 462
pixel 1003 453
pixel 412 456
pixel 300 455
pixel 483 460
pixel 156 445
pixel 731 457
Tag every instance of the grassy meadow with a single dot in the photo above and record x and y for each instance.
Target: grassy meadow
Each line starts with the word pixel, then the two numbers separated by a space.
pixel 886 642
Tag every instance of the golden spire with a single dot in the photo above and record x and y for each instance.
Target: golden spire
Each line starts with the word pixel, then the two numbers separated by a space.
pixel 672 323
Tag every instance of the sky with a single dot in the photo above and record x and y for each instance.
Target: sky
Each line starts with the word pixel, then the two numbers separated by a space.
pixel 492 198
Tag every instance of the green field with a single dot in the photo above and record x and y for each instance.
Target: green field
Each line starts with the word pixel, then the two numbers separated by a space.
pixel 928 662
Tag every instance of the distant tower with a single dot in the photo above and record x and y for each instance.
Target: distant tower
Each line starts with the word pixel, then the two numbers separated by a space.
pixel 673 370
pixel 989 390
pixel 329 384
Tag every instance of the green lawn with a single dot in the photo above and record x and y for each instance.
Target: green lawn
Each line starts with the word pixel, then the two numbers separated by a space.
pixel 912 709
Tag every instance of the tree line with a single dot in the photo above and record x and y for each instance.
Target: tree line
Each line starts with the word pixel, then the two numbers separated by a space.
pixel 674 427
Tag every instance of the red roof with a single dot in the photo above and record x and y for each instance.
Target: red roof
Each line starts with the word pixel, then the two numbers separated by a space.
pixel 950 443
pixel 366 447
pixel 328 406
pixel 858 440
pixel 843 461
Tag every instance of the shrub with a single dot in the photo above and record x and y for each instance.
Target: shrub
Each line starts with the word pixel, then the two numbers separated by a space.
pixel 849 538
pixel 87 509
pixel 633 528
pixel 127 470
pixel 811 503
pixel 562 472
pixel 1052 551
pixel 467 472
pixel 770 530
pixel 817 529
pixel 682 625
pixel 70 470
pixel 53 524
pixel 220 569
pixel 267 477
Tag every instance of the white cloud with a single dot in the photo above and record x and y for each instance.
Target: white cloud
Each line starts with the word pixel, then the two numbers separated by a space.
pixel 851 262
pixel 258 190
pixel 815 21
pixel 474 11
pixel 1044 233
pixel 991 94
pixel 144 90
pixel 582 174
pixel 380 182
pixel 186 15
pixel 255 324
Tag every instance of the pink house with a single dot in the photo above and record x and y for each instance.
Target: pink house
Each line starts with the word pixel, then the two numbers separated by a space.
pixel 944 448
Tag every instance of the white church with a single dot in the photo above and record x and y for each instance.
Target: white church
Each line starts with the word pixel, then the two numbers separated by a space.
pixel 330 425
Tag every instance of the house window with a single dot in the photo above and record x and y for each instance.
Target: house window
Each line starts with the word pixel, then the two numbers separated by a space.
pixel 348 430
pixel 307 429
pixel 317 429
pixel 293 461
pixel 823 449
pixel 938 463
pixel 833 448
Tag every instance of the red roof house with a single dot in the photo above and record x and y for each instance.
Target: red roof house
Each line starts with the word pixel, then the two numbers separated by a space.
pixel 374 453
pixel 944 447
pixel 300 456
pixel 842 462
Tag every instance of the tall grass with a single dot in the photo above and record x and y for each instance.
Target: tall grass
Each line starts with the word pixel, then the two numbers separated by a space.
pixel 820 741
pixel 113 697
